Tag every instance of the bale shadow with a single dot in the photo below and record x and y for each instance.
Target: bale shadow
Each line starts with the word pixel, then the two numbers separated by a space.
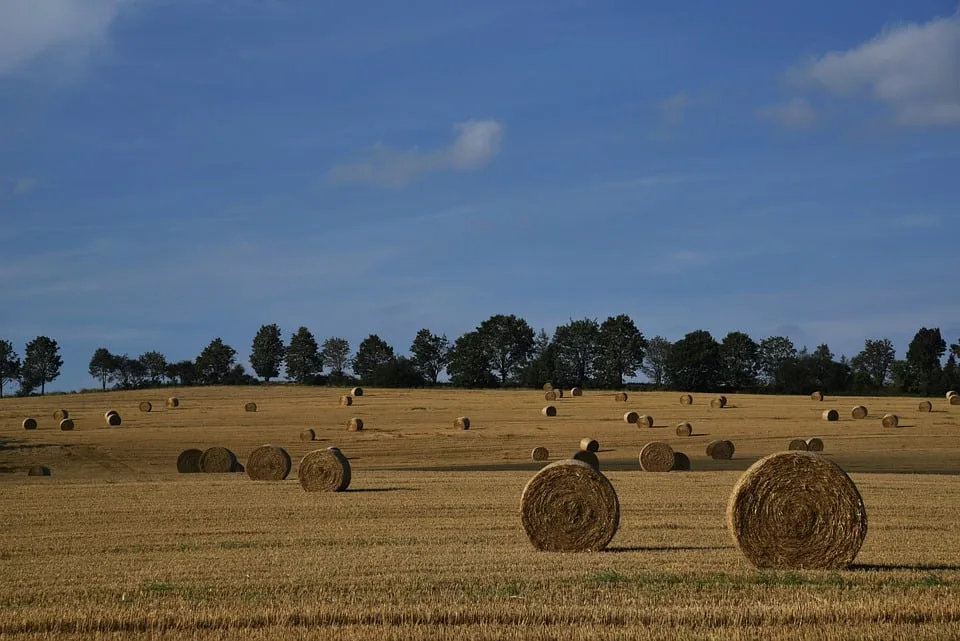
pixel 382 489
pixel 890 567
pixel 700 434
pixel 667 548
pixel 9 470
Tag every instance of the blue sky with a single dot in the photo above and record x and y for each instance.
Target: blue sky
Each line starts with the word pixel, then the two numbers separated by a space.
pixel 176 170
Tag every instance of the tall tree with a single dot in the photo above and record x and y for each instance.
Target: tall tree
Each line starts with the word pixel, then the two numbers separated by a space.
pixel 655 360
pixel 372 352
pixel 9 364
pixel 431 354
pixel 738 355
pixel 774 354
pixel 335 355
pixel 470 363
pixel 154 366
pixel 267 352
pixel 183 372
pixel 129 373
pixel 694 363
pixel 541 367
pixel 215 362
pixel 303 356
pixel 622 347
pixel 508 341
pixel 923 361
pixel 875 360
pixel 397 372
pixel 102 366
pixel 951 374
pixel 41 362
pixel 578 350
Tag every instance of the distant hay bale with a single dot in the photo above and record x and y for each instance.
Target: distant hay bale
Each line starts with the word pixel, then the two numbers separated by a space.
pixel 549 410
pixel 951 394
pixel 61 414
pixel 217 460
pixel 268 463
pixel 890 420
pixel 547 387
pixel 324 471
pixel 620 397
pixel 631 417
pixel 925 406
pixel 681 462
pixel 113 419
pixel 831 415
pixel 106 415
pixel 589 445
pixel 462 423
pixel 550 396
pixel 797 510
pixel 798 444
pixel 814 445
pixel 356 391
pixel 590 458
pixel 645 420
pixel 189 461
pixel 308 435
pixel 39 470
pixel 540 453
pixel 576 391
pixel 716 403
pixel 250 407
pixel 346 401
pixel 173 402
pixel 954 400
pixel 559 391
pixel 816 396
pixel 355 424
pixel 29 423
pixel 656 456
pixel 859 412
pixel 66 424
pixel 145 406
pixel 720 450
pixel 684 429
pixel 569 506
pixel 686 399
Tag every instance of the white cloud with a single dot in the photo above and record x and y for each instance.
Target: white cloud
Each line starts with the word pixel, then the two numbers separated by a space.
pixel 477 142
pixel 914 69
pixel 66 30
pixel 24 185
pixel 797 113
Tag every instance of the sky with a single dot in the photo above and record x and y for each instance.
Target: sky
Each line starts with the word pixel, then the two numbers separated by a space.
pixel 176 170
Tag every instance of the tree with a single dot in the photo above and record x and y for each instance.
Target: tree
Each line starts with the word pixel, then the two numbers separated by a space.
pixel 923 361
pixel 951 374
pixel 335 355
pixel 622 348
pixel 9 364
pixel 541 367
pixel 372 352
pixel 774 354
pixel 303 356
pixel 694 363
pixel 154 366
pixel 738 357
pixel 431 354
pixel 41 363
pixel 215 362
pixel 655 360
pixel 577 351
pixel 470 363
pixel 875 360
pixel 397 372
pixel 129 373
pixel 102 366
pixel 184 372
pixel 267 352
pixel 508 341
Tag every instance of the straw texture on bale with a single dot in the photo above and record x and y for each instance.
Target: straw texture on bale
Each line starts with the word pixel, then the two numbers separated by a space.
pixel 797 510
pixel 559 391
pixel 620 397
pixel 550 396
pixel 656 456
pixel 576 391
pixel 716 403
pixel 61 414
pixel 67 424
pixel 268 463
pixel 858 412
pixel 145 406
pixel 547 387
pixel 173 401
pixel 308 435
pixel 890 420
pixel 355 424
pixel 462 423
pixel 954 400
pixel 925 406
pixel 684 429
pixel 250 407
pixel 681 462
pixel 645 420
pixel 589 445
pixel 217 460
pixel 356 391
pixel 631 417
pixel 590 458
pixel 540 453
pixel 189 461
pixel 39 470
pixel 831 415
pixel 816 396
pixel 950 394
pixel 113 419
pixel 814 445
pixel 29 423
pixel 324 471
pixel 720 450
pixel 549 410
pixel 107 414
pixel 346 401
pixel 569 506
pixel 798 444
pixel 686 399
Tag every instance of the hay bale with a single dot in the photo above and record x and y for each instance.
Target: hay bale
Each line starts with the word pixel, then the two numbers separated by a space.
pixel 549 410
pixel 576 391
pixel 686 399
pixel 925 406
pixel 324 471
pixel 797 510
pixel 189 461
pixel 61 414
pixel 39 470
pixel 656 456
pixel 831 415
pixel 645 420
pixel 29 423
pixel 540 453
pixel 217 460
pixel 798 444
pixel 814 445
pixel 106 415
pixel 550 396
pixel 890 420
pixel 716 403
pixel 859 412
pixel 954 400
pixel 569 506
pixel 173 402
pixel 547 387
pixel 590 458
pixel 113 419
pixel 66 424
pixel 951 394
pixel 684 429
pixel 268 463
pixel 816 396
pixel 631 417
pixel 462 423
pixel 250 407
pixel 620 397
pixel 355 424
pixel 723 401
pixel 681 462
pixel 559 391
pixel 720 450
pixel 308 435
pixel 346 400
pixel 356 391
pixel 145 406
pixel 589 445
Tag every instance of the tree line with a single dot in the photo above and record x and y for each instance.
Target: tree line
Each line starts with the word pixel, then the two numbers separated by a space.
pixel 505 351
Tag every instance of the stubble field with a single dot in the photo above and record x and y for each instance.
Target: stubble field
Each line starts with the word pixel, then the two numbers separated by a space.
pixel 427 542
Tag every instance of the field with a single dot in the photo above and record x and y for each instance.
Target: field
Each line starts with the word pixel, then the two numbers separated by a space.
pixel 427 543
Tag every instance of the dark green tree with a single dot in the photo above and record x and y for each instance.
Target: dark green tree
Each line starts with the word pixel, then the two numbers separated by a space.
pixel 654 364
pixel 267 352
pixel 773 355
pixel 541 367
pixel 577 351
pixel 923 362
pixel 335 355
pixel 154 366
pixel 738 354
pixel 508 341
pixel 622 348
pixel 182 372
pixel 951 374
pixel 129 373
pixel 215 362
pixel 431 354
pixel 875 360
pixel 41 363
pixel 694 363
pixel 470 363
pixel 9 364
pixel 102 366
pixel 397 372
pixel 372 352
pixel 303 356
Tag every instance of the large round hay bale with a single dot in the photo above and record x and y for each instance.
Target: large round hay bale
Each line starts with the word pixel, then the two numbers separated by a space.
pixel 620 397
pixel 61 414
pixel 569 506
pixel 145 406
pixel 217 460
pixel 925 406
pixel 173 402
pixel 589 445
pixel 29 423
pixel 38 470
pixel 645 420
pixel 308 435
pixel 814 445
pixel 346 401
pixel 716 403
pixel 549 410
pixel 631 417
pixel 540 453
pixel 250 407
pixel 681 462
pixel 954 400
pixel 66 424
pixel 797 510
pixel 656 456
pixel 798 444
pixel 890 420
pixel 831 415
pixel 576 391
pixel 550 396
pixel 189 461
pixel 355 424
pixel 547 387
pixel 720 450
pixel 113 419
pixel 590 458
pixel 684 429
pixel 324 471
pixel 686 399
pixel 462 423
pixel 356 391
pixel 816 396
pixel 268 463
pixel 951 394
pixel 859 412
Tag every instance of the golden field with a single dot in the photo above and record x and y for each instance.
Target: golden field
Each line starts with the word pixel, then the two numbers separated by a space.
pixel 427 541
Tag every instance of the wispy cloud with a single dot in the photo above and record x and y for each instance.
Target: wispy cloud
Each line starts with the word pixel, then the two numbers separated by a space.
pixel 796 114
pixel 672 109
pixel 477 142
pixel 24 185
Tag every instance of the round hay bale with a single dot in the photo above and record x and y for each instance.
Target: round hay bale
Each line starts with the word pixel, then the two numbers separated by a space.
pixel 645 420
pixel 716 403
pixel 550 396
pixel 66 424
pixel 356 391
pixel 816 396
pixel 250 407
pixel 559 391
pixel 217 460
pixel 814 445
pixel 620 397
pixel 631 417
pixel 346 401
pixel 798 444
pixel 462 423
pixel 684 429
pixel 61 414
pixel 925 406
pixel 859 412
pixel 173 402
pixel 145 406
pixel 106 415
pixel 308 435
pixel 355 424
pixel 656 456
pixel 890 420
pixel 589 445
pixel 324 471
pixel 954 400
pixel 797 510
pixel 113 419
pixel 831 415
pixel 549 410
pixel 547 387
pixel 576 391
pixel 681 462
pixel 720 450
pixel 951 394
pixel 268 463
pixel 590 458
pixel 189 461
pixel 540 453
pixel 39 470
pixel 29 423
pixel 686 399
pixel 568 506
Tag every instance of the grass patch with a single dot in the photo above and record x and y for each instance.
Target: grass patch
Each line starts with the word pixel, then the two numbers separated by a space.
pixel 158 586
pixel 609 576
pixel 237 545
